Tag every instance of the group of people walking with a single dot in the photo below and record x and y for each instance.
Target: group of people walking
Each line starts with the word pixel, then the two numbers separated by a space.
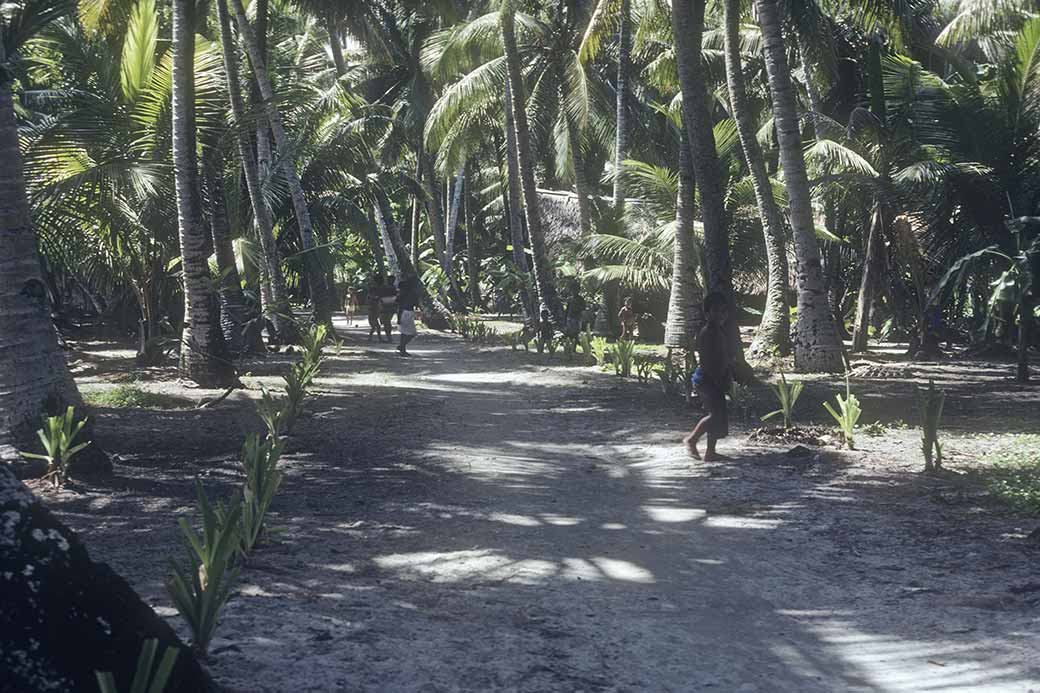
pixel 384 301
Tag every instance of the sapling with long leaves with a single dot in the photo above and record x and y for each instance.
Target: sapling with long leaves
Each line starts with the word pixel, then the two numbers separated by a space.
pixel 787 394
pixel 200 590
pixel 846 414
pixel 260 462
pixel 58 436
pixel 624 357
pixel 148 678
pixel 599 349
pixel 930 403
pixel 272 412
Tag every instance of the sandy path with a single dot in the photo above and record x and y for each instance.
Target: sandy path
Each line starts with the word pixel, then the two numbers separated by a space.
pixel 474 520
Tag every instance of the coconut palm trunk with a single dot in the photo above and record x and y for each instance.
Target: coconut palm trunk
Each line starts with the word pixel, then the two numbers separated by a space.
pixel 516 224
pixel 321 294
pixel 815 337
pixel 336 44
pixel 547 296
pixel 872 266
pixel 34 377
pixel 580 184
pixel 774 331
pixel 204 356
pixel 688 30
pixel 621 102
pixel 685 315
pixel 435 213
pixel 273 298
pixel 232 302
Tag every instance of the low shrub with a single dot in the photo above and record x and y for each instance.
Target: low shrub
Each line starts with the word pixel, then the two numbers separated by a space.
pixel 624 357
pixel 599 350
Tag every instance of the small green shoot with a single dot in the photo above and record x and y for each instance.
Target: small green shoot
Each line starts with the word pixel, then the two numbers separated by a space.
pixel 846 414
pixel 787 394
pixel 58 436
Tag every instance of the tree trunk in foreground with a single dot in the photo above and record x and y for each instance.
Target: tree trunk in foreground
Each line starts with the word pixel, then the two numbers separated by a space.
pixel 204 356
pixel 34 377
pixel 321 294
pixel 688 30
pixel 65 616
pixel 274 303
pixel 815 337
pixel 774 331
pixel 547 296
pixel 685 312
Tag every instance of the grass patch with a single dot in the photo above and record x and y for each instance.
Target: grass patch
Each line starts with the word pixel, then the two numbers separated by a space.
pixel 1014 474
pixel 133 397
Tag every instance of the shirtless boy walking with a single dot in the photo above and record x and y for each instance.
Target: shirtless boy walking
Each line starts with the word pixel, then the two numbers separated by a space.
pixel 712 377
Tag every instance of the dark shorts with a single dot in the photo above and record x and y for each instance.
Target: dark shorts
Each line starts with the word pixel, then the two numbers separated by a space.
pixel 713 400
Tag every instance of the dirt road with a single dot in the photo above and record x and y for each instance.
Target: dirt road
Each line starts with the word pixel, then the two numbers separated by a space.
pixel 481 520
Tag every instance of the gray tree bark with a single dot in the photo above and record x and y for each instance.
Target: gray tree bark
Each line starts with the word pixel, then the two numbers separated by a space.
pixel 321 294
pixel 815 337
pixel 685 314
pixel 544 281
pixel 273 298
pixel 34 377
pixel 774 330
pixel 204 356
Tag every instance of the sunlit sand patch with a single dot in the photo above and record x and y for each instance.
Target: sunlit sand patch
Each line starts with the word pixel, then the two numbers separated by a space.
pixel 734 522
pixel 457 566
pixel 518 520
pixel 672 515
pixel 560 520
pixel 617 569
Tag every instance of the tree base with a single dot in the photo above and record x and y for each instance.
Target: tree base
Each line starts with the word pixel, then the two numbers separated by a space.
pixel 66 617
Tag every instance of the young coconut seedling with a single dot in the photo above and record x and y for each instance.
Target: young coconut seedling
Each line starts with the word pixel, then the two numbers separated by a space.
pixel 58 436
pixel 846 414
pixel 787 394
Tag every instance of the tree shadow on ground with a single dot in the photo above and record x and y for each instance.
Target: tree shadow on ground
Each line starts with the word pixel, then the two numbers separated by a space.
pixel 480 520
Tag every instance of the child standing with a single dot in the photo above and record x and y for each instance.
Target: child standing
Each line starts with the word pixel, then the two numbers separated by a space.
pixel 627 317
pixel 712 377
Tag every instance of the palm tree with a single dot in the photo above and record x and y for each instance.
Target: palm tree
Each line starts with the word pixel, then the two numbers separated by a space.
pixel 815 336
pixel 273 299
pixel 687 32
pixel 34 376
pixel 685 315
pixel 232 301
pixel 547 295
pixel 774 330
pixel 204 356
pixel 320 292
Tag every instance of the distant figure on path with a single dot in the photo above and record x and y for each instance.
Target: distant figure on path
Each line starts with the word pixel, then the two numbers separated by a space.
pixel 712 377
pixel 576 308
pixel 382 304
pixel 627 317
pixel 406 301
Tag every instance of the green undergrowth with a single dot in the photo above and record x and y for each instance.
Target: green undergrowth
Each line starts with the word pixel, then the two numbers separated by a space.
pixel 1013 474
pixel 133 397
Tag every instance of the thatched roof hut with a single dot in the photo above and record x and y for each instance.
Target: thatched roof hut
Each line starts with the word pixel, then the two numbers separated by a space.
pixel 560 223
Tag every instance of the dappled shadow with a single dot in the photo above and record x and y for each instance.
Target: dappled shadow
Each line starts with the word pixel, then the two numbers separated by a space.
pixel 478 519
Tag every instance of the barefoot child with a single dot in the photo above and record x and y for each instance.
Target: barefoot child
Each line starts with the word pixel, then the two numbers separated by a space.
pixel 712 377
